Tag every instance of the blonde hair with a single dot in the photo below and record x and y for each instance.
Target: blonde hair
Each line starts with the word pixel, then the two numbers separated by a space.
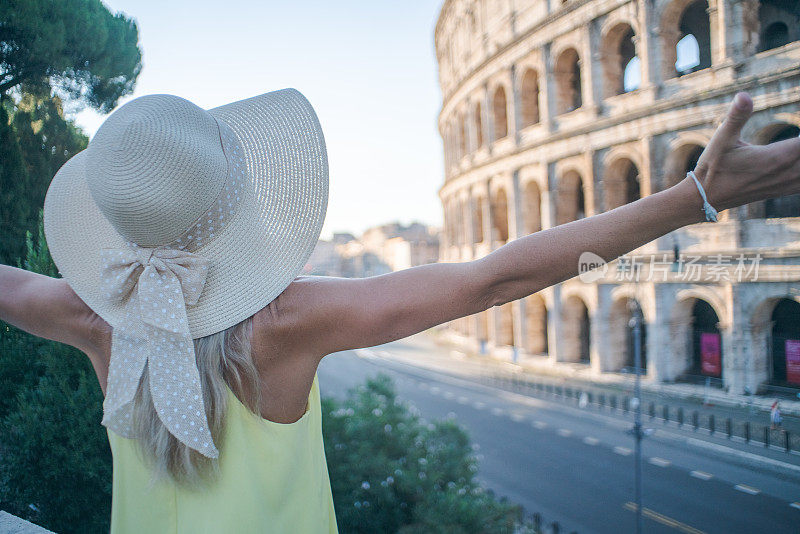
pixel 223 360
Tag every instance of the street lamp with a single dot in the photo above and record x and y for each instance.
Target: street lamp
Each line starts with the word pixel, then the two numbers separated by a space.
pixel 637 431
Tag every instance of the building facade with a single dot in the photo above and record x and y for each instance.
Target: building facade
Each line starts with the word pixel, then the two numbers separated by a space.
pixel 555 110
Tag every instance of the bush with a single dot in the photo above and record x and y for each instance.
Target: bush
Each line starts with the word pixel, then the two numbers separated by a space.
pixel 393 472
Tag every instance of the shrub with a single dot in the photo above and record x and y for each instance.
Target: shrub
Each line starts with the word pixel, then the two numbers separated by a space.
pixel 391 471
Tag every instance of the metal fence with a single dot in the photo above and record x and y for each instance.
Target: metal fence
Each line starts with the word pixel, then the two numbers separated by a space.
pixel 692 419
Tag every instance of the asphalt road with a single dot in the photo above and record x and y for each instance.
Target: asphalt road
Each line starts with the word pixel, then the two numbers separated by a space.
pixel 576 466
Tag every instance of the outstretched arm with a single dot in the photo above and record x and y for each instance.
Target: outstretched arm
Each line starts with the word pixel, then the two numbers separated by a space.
pixel 47 307
pixel 326 314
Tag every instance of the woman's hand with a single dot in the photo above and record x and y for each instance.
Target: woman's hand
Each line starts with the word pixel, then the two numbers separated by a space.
pixel 734 173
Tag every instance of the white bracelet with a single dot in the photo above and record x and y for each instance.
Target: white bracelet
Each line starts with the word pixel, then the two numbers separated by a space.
pixel 711 213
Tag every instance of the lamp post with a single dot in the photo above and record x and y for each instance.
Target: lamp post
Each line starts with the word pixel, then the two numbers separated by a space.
pixel 637 431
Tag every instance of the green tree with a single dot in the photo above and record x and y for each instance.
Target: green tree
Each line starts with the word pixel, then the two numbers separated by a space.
pixel 56 468
pixel 393 472
pixel 77 46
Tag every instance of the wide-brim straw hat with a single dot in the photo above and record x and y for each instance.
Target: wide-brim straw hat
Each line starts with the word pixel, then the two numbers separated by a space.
pixel 265 244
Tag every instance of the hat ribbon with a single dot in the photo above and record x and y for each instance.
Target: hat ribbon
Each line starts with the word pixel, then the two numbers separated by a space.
pixel 156 332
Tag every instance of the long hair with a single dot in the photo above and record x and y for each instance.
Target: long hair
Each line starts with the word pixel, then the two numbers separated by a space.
pixel 223 360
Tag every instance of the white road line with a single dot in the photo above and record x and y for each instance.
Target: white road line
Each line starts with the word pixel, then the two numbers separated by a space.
pixel 660 462
pixel 795 505
pixel 423 385
pixel 747 489
pixel 517 417
pixel 435 390
pixel 498 411
pixel 624 451
pixel 449 395
pixel 540 424
pixel 564 432
pixel 589 440
pixel 478 405
pixel 462 400
pixel 702 475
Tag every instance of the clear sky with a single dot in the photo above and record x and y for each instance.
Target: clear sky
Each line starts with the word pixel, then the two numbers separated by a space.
pixel 367 67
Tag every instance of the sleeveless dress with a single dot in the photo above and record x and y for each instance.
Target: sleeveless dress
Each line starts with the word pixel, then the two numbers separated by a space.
pixel 273 479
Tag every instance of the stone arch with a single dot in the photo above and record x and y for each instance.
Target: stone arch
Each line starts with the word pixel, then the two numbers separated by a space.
pixel 536 318
pixel 505 325
pixel 682 159
pixel 618 50
pixel 576 330
pixel 621 183
pixel 679 20
pixel 785 343
pixel 786 206
pixel 500 112
pixel 477 218
pixel 621 338
pixel 700 316
pixel 778 26
pixel 463 145
pixel 532 207
pixel 571 199
pixel 529 97
pixel 500 215
pixel 568 80
pixel 478 125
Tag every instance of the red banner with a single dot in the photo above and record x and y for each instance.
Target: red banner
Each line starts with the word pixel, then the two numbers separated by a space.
pixel 793 361
pixel 710 354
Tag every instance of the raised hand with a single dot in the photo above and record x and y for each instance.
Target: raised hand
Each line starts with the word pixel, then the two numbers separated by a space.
pixel 734 173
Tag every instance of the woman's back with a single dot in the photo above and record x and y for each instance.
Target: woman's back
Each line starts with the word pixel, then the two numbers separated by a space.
pixel 273 478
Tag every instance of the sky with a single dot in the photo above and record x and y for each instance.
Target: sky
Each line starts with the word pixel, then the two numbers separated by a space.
pixel 367 67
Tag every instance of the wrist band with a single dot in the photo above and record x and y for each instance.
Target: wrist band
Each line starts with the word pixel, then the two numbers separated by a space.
pixel 711 213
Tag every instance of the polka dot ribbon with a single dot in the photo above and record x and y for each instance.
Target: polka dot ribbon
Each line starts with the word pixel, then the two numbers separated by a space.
pixel 154 286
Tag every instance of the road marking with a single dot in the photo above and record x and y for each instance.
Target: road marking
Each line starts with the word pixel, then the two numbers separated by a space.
pixel 435 390
pixel 517 417
pixel 423 385
pixel 624 451
pixel 702 475
pixel 540 424
pixel 478 405
pixel 449 395
pixel 589 440
pixel 564 432
pixel 497 411
pixel 660 462
pixel 664 520
pixel 462 400
pixel 795 505
pixel 747 489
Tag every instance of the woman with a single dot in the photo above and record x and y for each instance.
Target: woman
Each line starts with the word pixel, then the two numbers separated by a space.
pixel 178 318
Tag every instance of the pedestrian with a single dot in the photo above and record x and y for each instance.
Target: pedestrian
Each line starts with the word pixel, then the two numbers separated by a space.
pixel 181 234
pixel 775 416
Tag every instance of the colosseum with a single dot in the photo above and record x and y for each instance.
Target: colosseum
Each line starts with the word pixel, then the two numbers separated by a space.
pixel 555 110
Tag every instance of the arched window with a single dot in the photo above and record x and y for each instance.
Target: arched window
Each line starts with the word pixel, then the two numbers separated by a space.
pixel 462 137
pixel 532 209
pixel 786 343
pixel 478 125
pixel 477 210
pixel 779 21
pixel 620 63
pixel 568 81
pixel 576 330
pixel 536 323
pixel 529 96
pixel 685 38
pixel 787 206
pixel 695 23
pixel 499 106
pixel 621 183
pixel 571 203
pixel 706 340
pixel 500 215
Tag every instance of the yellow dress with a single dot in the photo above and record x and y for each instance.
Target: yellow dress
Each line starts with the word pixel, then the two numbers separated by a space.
pixel 273 479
